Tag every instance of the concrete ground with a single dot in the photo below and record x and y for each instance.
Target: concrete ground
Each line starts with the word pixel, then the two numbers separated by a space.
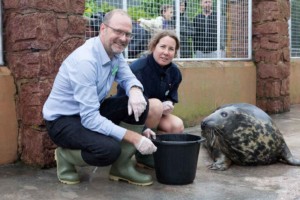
pixel 277 181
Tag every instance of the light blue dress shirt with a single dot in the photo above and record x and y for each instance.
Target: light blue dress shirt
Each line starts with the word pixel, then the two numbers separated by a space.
pixel 82 83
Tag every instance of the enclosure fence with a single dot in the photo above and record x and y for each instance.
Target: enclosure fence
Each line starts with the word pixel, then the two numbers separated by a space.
pixel 1 35
pixel 208 29
pixel 294 26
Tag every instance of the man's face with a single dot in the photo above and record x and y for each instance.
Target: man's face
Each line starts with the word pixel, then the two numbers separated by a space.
pixel 206 5
pixel 115 35
pixel 182 7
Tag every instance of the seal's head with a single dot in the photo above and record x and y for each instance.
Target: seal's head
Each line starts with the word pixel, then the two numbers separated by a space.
pixel 223 120
pixel 230 116
pixel 229 120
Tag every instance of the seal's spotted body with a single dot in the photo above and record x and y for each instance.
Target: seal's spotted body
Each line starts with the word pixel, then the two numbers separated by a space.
pixel 245 135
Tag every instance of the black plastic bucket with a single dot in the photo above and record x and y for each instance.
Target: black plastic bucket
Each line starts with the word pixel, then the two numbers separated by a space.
pixel 176 158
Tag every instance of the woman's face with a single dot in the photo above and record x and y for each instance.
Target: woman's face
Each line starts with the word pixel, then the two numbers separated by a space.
pixel 164 51
pixel 168 14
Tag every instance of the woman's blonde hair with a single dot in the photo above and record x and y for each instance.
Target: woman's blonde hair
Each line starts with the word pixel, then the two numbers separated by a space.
pixel 161 34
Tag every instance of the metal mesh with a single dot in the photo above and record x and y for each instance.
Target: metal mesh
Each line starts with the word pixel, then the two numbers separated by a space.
pixel 1 47
pixel 222 34
pixel 295 28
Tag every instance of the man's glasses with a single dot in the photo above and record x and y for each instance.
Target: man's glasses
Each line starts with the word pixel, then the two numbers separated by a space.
pixel 120 33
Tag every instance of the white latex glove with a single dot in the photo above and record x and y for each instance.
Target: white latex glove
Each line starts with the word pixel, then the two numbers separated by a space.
pixel 136 103
pixel 145 146
pixel 167 107
pixel 149 133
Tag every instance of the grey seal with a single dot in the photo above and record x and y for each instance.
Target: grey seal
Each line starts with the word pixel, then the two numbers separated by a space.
pixel 243 134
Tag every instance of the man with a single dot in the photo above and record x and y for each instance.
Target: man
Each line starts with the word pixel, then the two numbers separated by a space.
pixel 87 127
pixel 205 32
pixel 138 45
pixel 186 31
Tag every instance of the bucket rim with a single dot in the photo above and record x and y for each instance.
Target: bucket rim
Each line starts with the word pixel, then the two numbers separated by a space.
pixel 200 140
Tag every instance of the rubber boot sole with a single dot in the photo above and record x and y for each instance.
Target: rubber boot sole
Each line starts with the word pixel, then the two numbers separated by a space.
pixel 117 178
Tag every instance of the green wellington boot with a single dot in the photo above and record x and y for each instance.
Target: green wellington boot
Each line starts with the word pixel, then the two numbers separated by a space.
pixel 144 161
pixel 123 168
pixel 66 160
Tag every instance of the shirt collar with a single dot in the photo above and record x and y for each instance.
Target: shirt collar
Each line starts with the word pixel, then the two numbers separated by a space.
pixel 101 51
pixel 103 55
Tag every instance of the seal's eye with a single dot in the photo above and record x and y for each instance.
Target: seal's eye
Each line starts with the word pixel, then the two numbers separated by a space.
pixel 224 114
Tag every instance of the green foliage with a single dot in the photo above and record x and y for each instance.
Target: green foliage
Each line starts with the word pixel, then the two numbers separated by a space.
pixel 137 12
pixel 152 7
pixel 91 7
pixel 105 7
pixel 193 8
pixel 146 9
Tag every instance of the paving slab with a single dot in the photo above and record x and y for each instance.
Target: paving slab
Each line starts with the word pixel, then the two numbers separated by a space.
pixel 273 182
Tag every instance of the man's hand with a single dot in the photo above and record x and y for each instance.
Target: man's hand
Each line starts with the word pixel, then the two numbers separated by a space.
pixel 145 146
pixel 136 103
pixel 149 133
pixel 167 107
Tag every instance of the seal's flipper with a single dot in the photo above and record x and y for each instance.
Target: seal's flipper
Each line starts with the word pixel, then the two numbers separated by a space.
pixel 221 163
pixel 288 158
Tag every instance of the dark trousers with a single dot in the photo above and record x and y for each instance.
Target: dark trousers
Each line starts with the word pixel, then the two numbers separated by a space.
pixel 97 149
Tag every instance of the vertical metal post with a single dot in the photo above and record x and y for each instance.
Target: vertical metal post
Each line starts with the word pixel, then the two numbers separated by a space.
pixel 125 7
pixel 219 28
pixel 250 29
pixel 177 14
pixel 1 47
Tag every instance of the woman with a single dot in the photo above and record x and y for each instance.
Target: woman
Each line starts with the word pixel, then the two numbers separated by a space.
pixel 160 78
